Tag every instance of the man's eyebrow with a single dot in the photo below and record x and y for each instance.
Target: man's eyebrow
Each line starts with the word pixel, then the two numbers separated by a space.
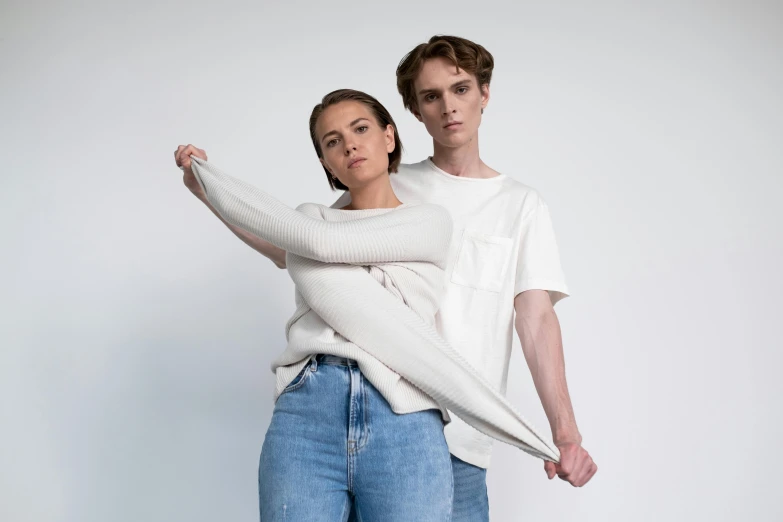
pixel 452 86
pixel 354 122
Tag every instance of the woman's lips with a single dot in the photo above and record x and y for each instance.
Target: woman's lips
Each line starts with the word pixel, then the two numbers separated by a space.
pixel 356 163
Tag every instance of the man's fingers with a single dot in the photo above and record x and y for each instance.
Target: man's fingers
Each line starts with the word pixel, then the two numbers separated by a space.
pixel 576 465
pixel 591 472
pixel 581 469
pixel 549 467
pixel 585 470
pixel 566 466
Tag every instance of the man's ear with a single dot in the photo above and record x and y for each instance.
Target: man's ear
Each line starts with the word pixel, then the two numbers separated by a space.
pixel 484 95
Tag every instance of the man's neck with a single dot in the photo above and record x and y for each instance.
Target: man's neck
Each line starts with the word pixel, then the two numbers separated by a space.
pixel 463 161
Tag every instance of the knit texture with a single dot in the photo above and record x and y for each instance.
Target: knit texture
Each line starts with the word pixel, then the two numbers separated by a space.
pixel 337 259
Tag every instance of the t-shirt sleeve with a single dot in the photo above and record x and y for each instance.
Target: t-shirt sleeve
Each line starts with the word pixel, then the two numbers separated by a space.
pixel 538 260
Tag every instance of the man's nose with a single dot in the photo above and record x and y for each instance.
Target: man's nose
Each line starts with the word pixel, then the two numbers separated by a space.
pixel 447 105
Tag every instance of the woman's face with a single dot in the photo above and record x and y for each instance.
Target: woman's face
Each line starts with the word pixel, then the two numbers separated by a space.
pixel 355 148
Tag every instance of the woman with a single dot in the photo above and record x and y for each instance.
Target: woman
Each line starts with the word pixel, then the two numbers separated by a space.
pixel 368 279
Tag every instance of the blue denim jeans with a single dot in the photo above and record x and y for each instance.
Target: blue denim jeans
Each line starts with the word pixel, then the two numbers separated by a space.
pixel 471 503
pixel 334 443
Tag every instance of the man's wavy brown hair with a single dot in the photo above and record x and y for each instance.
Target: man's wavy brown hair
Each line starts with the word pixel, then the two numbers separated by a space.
pixel 463 53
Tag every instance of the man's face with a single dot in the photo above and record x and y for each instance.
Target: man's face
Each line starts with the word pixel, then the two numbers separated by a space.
pixel 449 102
pixel 355 148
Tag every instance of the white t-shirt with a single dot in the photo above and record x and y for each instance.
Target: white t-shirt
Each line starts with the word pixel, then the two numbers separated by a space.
pixel 503 244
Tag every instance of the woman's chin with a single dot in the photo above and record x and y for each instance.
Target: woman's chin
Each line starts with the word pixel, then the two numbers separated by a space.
pixel 360 179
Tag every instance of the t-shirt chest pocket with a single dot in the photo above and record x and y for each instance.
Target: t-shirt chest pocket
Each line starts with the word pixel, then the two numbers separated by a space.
pixel 482 261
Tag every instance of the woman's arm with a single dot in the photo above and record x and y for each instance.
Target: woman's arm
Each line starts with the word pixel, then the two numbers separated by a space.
pixel 182 157
pixel 416 233
pixel 355 305
pixel 262 246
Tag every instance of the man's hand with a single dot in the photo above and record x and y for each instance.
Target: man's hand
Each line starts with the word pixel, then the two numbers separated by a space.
pixel 182 158
pixel 576 466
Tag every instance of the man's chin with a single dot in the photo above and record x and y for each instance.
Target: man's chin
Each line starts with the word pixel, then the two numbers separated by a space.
pixel 453 141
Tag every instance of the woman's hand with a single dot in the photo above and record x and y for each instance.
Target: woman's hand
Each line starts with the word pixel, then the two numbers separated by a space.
pixel 182 158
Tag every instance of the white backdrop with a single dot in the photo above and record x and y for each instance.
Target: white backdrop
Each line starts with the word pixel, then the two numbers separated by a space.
pixel 137 331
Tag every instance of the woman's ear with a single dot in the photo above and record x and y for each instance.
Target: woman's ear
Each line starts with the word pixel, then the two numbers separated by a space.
pixel 326 166
pixel 331 174
pixel 389 134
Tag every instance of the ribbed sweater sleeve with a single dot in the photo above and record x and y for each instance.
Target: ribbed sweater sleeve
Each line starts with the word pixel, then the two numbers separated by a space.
pixel 320 255
pixel 354 304
pixel 416 233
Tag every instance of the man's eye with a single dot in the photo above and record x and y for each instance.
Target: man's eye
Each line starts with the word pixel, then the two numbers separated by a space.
pixel 462 90
pixel 332 142
pixel 363 128
pixel 429 97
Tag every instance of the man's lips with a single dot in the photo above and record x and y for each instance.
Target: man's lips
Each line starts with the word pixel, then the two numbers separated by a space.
pixel 452 125
pixel 356 162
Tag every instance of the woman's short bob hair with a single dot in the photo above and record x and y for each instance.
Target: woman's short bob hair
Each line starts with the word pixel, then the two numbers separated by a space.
pixel 382 116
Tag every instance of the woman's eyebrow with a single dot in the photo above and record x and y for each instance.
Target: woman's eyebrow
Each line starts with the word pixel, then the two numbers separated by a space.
pixel 354 122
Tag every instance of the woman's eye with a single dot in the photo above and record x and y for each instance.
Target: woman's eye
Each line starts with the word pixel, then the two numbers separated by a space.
pixel 363 128
pixel 332 142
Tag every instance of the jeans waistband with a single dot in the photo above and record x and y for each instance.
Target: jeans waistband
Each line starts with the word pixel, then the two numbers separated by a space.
pixel 325 358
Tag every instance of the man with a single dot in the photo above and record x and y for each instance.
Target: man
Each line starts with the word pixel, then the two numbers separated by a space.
pixel 503 251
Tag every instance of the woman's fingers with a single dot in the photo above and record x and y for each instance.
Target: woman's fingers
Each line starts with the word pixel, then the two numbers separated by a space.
pixel 177 154
pixel 183 153
pixel 184 157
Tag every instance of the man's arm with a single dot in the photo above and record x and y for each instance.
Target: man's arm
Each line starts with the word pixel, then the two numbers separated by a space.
pixel 539 333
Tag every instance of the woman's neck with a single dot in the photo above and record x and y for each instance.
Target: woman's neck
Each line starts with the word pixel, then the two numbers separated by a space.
pixel 376 194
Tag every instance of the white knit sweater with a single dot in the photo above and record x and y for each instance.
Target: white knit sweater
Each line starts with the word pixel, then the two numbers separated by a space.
pixel 337 259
